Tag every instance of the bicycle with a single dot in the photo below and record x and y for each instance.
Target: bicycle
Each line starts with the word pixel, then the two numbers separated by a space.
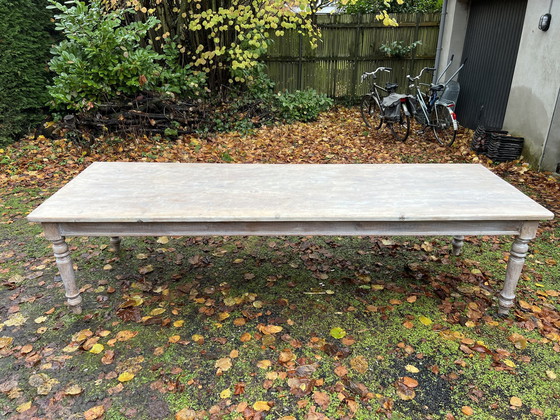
pixel 392 110
pixel 437 106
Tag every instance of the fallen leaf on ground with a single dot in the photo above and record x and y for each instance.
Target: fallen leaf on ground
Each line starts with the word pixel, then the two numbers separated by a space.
pixel 6 342
pixel 146 269
pixel 96 348
pixel 337 333
pixel 424 320
pixel 157 311
pixel 23 407
pixel 412 369
pixel 322 399
pixel 264 364
pixel 515 402
pixel 126 335
pixel 261 406
pixel 224 363
pixel 467 411
pixel 94 412
pixel 73 390
pixel 410 382
pixel 186 414
pixel 270 329
pixel 359 364
pixel 125 377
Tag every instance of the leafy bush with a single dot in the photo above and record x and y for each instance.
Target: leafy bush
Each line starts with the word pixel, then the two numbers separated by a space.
pixel 103 58
pixel 398 49
pixel 409 6
pixel 24 46
pixel 303 105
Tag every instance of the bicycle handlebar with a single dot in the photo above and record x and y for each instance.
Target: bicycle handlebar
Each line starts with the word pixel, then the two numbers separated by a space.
pixel 412 79
pixel 372 73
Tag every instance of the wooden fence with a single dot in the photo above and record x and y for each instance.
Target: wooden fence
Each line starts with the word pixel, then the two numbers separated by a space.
pixel 349 47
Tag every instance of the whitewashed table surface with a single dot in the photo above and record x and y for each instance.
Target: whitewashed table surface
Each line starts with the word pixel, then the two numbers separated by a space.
pixel 198 192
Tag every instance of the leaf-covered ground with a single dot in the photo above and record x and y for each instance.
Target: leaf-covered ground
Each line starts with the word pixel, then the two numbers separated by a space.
pixel 282 327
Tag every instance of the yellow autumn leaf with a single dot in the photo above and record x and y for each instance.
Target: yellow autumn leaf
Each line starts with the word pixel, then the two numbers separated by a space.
pixel 424 320
pixel 515 401
pixel 174 338
pixel 146 269
pixel 125 377
pixel 40 320
pixel 15 320
pixel 269 329
pixel 551 374
pixel 6 342
pixel 509 363
pixel 178 323
pixel 162 240
pixel 73 390
pixel 96 348
pixel 94 412
pixel 157 311
pixel 197 338
pixel 226 393
pixel 412 369
pixel 264 364
pixel 125 335
pixel 261 406
pixel 224 363
pixel 23 407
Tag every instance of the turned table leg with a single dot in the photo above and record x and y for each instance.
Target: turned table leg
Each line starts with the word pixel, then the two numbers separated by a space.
pixel 115 243
pixel 515 264
pixel 64 263
pixel 457 243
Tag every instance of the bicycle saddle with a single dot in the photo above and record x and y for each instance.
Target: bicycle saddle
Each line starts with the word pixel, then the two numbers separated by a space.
pixel 437 88
pixel 391 86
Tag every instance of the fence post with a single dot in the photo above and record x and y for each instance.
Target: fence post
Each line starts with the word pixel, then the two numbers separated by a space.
pixel 413 55
pixel 355 57
pixel 300 63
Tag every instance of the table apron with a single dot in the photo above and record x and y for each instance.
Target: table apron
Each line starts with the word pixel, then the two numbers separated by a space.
pixel 295 228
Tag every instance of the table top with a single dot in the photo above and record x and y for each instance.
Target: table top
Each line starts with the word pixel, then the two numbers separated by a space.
pixel 200 192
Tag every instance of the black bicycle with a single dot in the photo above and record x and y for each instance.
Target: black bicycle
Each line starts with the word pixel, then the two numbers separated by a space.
pixel 390 109
pixel 436 109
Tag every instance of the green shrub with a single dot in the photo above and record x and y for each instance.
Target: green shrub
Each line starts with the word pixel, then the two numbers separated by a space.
pixel 24 49
pixel 103 58
pixel 303 105
pixel 100 57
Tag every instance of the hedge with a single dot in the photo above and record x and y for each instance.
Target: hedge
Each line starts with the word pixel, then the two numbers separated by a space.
pixel 25 40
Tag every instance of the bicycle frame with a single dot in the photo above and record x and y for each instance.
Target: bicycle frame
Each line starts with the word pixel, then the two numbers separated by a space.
pixel 373 109
pixel 435 112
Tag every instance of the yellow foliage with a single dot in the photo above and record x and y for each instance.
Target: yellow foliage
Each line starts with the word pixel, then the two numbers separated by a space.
pixel 233 37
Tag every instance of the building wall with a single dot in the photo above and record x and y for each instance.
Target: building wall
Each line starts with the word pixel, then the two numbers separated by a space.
pixel 535 90
pixel 454 34
pixel 536 85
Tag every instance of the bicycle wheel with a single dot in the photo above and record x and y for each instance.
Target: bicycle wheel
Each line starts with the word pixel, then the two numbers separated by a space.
pixel 401 128
pixel 444 125
pixel 371 112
